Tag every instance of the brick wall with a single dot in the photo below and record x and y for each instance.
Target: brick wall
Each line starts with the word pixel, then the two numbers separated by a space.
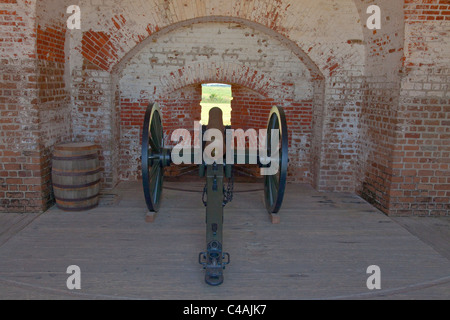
pixel 250 110
pixel 34 104
pixel 404 157
pixel 180 109
pixel 250 45
pixel 421 163
pixel 210 52
pixel 54 96
pixel 379 105
pixel 367 109
pixel 379 109
pixel 21 161
pixel 95 116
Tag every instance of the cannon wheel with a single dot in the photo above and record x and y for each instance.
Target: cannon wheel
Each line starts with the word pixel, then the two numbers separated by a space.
pixel 152 151
pixel 275 185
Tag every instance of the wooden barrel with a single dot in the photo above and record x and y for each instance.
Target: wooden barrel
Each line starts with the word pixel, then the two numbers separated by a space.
pixel 76 175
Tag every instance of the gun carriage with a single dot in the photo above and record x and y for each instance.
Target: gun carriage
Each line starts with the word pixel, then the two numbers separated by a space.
pixel 156 157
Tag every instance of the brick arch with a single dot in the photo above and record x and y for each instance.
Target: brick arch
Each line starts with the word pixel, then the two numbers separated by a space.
pixel 320 33
pixel 229 73
pixel 302 55
pixel 306 26
pixel 324 35
pixel 177 91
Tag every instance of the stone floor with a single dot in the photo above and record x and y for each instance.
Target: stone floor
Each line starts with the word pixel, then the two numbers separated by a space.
pixel 320 250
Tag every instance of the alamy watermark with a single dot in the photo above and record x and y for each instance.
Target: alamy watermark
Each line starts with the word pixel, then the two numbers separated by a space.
pixel 218 148
pixel 74 21
pixel 74 280
pixel 373 22
pixel 374 281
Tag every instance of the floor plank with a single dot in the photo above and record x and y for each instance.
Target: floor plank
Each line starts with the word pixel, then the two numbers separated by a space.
pixel 12 223
pixel 320 250
pixel 435 231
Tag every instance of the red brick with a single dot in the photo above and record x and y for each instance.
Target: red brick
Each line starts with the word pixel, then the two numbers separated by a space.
pixel 14 181
pixel 374 143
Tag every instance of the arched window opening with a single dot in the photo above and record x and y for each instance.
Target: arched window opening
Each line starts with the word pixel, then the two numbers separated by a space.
pixel 216 95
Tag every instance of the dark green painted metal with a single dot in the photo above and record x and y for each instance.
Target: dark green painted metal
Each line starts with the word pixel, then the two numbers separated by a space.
pixel 214 256
pixel 229 171
pixel 214 209
pixel 202 170
pixel 154 157
pixel 275 185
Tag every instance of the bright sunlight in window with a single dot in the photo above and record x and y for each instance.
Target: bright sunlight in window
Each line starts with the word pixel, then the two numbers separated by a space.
pixel 216 95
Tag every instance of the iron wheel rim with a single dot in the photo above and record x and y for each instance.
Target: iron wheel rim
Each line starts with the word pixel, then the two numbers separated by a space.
pixel 152 149
pixel 275 185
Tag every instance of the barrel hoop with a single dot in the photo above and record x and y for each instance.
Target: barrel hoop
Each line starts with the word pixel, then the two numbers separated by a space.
pixel 76 174
pixel 77 209
pixel 61 186
pixel 76 200
pixel 85 157
pixel 77 147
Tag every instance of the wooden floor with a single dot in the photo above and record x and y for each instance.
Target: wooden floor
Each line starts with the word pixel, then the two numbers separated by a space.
pixel 321 249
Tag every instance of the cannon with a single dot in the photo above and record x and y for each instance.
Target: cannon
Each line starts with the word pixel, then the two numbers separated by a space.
pixel 156 157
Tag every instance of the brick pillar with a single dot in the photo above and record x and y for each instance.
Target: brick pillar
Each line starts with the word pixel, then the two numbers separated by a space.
pixel 24 170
